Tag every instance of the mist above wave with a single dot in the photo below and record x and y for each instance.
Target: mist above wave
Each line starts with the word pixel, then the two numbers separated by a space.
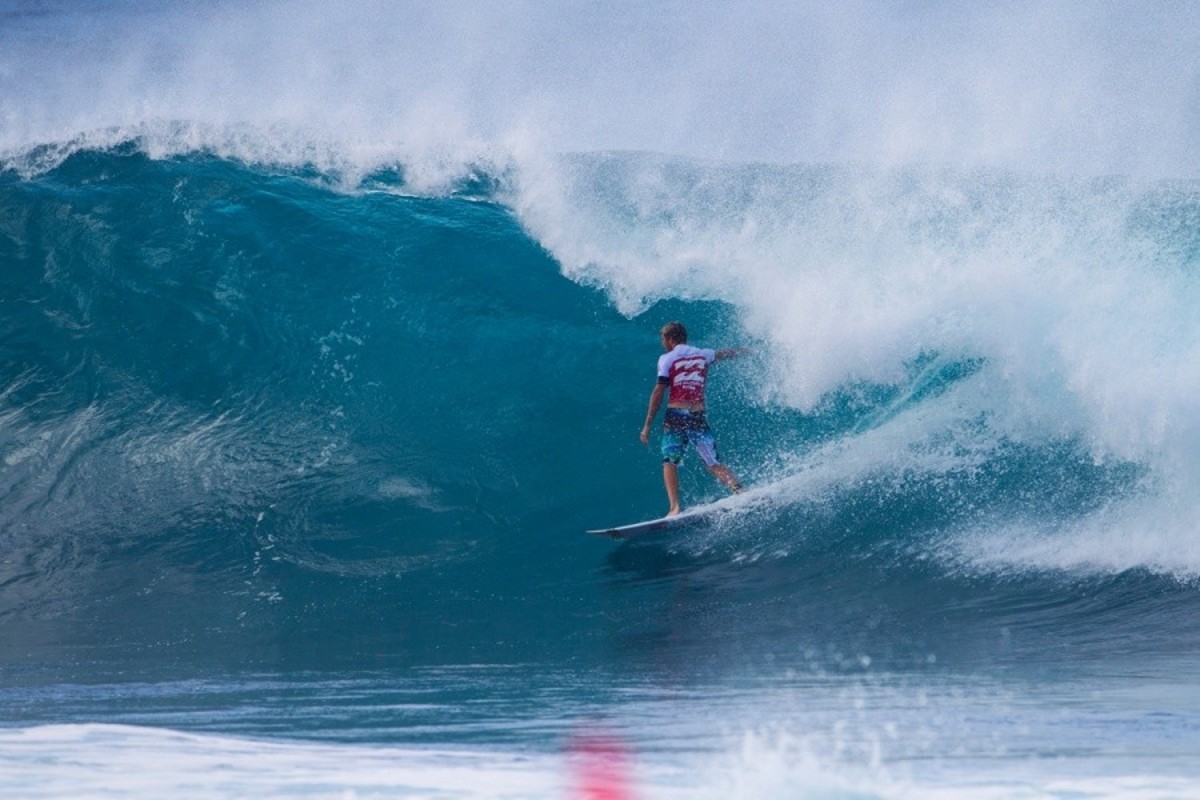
pixel 1075 87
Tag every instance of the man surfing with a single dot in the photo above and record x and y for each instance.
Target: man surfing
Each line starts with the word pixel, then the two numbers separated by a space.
pixel 682 373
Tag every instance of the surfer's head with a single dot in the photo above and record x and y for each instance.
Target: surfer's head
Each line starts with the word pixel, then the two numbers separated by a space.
pixel 673 333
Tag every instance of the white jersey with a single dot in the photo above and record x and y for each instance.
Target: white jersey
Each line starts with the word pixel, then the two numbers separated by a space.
pixel 685 370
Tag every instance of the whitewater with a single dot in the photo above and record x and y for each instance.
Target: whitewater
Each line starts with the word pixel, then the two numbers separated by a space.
pixel 326 333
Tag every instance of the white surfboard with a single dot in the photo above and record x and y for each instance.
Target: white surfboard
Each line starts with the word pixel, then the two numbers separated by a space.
pixel 698 515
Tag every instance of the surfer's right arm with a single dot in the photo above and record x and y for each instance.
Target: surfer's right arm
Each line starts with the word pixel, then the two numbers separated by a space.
pixel 731 352
pixel 656 398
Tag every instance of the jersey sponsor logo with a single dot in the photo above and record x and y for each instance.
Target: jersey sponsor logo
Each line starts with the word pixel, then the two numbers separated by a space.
pixel 688 370
pixel 687 380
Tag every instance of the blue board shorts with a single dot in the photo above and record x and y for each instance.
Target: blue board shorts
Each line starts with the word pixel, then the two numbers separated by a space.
pixel 682 428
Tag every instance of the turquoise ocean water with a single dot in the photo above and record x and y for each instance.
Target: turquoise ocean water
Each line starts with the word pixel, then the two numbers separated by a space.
pixel 322 341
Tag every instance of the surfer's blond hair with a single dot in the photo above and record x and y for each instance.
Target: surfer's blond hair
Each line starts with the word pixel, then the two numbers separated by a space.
pixel 675 332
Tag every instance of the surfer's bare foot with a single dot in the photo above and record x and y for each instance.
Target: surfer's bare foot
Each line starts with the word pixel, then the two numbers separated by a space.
pixel 673 511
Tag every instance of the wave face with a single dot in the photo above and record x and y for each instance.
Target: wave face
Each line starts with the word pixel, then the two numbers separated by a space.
pixel 241 401
pixel 308 423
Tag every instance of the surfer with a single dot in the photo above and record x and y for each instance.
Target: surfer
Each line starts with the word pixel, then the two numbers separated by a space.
pixel 682 372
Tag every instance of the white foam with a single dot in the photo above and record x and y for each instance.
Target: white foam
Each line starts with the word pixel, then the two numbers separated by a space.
pixel 87 761
pixel 93 761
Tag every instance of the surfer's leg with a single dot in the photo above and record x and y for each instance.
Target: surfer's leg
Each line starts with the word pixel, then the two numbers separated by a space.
pixel 706 446
pixel 673 444
pixel 671 480
pixel 723 474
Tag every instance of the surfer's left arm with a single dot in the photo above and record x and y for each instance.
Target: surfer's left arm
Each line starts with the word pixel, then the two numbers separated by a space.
pixel 656 398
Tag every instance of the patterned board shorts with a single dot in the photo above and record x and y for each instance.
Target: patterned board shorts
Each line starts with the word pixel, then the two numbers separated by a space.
pixel 681 428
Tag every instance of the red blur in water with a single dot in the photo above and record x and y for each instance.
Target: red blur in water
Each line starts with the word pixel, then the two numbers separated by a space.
pixel 601 768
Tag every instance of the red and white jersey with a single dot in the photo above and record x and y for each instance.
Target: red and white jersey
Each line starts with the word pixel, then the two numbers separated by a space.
pixel 685 369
